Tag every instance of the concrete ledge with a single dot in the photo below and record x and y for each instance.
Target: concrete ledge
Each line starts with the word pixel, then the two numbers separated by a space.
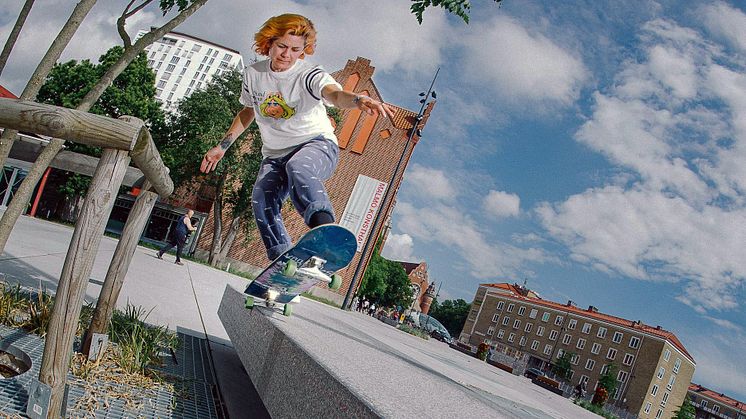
pixel 326 362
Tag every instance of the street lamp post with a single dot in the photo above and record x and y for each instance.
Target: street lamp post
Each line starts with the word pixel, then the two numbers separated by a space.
pixel 388 194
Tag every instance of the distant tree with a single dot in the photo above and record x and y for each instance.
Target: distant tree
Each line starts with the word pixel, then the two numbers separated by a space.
pixel 606 385
pixel 199 123
pixel 460 8
pixel 686 410
pixel 563 366
pixel 386 282
pixel 451 314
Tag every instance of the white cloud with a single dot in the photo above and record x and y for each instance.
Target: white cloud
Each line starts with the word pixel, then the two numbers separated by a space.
pixel 430 183
pixel 726 22
pixel 521 66
pixel 717 356
pixel 399 247
pixel 501 204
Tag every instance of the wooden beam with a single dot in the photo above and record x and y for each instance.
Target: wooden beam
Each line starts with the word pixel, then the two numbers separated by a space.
pixel 76 271
pixel 68 124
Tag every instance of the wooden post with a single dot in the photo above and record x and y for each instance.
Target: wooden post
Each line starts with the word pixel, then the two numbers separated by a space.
pixel 120 263
pixel 75 273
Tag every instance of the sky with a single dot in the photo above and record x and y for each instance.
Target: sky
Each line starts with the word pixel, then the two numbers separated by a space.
pixel 593 149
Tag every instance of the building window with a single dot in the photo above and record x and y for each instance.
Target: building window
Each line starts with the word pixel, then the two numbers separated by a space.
pixel 567 339
pixel 188 91
pixel 575 359
pixel 664 400
pixel 511 337
pixel 666 355
pixel 604 369
pixel 617 337
pixel 596 348
pixel 540 331
pixel 560 352
pixel 495 317
pixel 587 328
pixel 571 324
pixel 174 60
pixel 227 57
pixel 163 57
pixel 558 320
pixel 170 67
pixel 535 345
pixel 716 408
pixel 201 66
pixel 677 365
pixel 661 373
pixel 510 307
pixel 161 84
pixel 517 324
pixel 659 414
pixel 500 305
pixel 628 359
pixel 589 364
pixel 528 327
pixel 611 354
pixel 533 313
pixel 196 47
pixel 545 317
pixel 601 332
pixel 622 376
pixel 671 382
pixel 522 311
pixel 553 335
pixel 170 96
pixel 634 342
pixel 648 405
pixel 703 403
pixel 500 334
pixel 523 341
pixel 654 391
pixel 547 349
pixel 491 331
pixel 506 320
pixel 183 70
pixel 581 343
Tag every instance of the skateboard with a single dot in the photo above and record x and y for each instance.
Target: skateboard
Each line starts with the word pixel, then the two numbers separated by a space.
pixel 316 257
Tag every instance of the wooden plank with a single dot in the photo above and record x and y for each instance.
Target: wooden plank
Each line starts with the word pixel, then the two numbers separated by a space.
pixel 68 124
pixel 84 245
pixel 120 263
pixel 145 155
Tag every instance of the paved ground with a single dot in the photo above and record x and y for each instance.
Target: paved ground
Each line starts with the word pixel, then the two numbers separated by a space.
pixel 186 298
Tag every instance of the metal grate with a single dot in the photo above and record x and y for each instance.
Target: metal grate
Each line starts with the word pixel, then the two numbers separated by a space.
pixel 191 375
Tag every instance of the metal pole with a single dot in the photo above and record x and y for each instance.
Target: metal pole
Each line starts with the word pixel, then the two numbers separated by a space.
pixel 373 238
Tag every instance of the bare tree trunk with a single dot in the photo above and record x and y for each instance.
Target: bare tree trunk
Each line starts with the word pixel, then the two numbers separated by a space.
pixel 23 195
pixel 43 69
pixel 13 37
pixel 225 247
pixel 217 233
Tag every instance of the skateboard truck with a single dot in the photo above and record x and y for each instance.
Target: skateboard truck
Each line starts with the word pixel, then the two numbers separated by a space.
pixel 312 270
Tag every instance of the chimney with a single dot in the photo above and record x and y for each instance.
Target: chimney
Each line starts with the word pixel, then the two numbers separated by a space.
pixel 570 303
pixel 593 309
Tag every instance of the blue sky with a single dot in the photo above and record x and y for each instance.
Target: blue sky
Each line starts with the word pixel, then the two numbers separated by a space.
pixel 594 149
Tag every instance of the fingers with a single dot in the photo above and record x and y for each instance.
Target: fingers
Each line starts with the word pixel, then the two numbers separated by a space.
pixel 209 162
pixel 382 108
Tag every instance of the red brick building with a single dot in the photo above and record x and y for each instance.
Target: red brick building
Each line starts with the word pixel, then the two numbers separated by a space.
pixel 370 145
pixel 421 287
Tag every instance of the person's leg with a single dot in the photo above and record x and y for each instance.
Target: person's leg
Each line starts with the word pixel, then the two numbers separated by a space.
pixel 179 247
pixel 270 190
pixel 166 247
pixel 307 169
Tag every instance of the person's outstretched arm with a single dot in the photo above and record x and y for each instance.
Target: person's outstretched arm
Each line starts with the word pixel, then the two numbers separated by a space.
pixel 349 100
pixel 242 121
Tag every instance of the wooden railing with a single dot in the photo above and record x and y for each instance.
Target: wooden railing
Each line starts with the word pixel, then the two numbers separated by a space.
pixel 122 139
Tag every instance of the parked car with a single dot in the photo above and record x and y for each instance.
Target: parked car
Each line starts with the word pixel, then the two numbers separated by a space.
pixel 441 335
pixel 533 373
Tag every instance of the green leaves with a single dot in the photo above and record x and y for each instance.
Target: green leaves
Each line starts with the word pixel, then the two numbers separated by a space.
pixel 460 8
pixel 451 313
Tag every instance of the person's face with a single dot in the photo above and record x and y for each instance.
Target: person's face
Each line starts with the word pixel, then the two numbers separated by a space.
pixel 285 51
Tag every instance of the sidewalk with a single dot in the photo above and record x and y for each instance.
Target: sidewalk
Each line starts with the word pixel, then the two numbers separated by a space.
pixel 184 298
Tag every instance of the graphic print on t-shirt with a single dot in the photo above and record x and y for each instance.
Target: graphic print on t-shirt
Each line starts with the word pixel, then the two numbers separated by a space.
pixel 274 106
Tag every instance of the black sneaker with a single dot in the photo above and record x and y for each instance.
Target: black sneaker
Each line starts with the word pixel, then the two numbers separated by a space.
pixel 180 263
pixel 159 256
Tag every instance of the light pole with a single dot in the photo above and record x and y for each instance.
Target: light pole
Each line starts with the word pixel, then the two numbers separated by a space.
pixel 389 193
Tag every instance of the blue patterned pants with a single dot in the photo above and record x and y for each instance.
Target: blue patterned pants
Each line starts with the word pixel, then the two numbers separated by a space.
pixel 299 175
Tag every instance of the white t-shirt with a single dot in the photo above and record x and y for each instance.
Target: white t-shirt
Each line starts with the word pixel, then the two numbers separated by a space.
pixel 288 106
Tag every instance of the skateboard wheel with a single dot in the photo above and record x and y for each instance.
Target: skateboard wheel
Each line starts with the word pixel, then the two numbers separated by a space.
pixel 290 268
pixel 287 310
pixel 336 282
pixel 250 302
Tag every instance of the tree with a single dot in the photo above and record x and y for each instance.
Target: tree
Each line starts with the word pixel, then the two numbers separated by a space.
pixel 606 385
pixel 200 122
pixel 563 366
pixel 460 8
pixel 686 411
pixel 386 282
pixel 13 37
pixel 23 194
pixel 452 314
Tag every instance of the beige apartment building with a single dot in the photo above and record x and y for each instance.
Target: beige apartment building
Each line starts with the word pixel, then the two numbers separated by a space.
pixel 654 367
pixel 710 404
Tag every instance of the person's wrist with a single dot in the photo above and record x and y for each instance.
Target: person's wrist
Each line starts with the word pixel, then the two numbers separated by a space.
pixel 358 98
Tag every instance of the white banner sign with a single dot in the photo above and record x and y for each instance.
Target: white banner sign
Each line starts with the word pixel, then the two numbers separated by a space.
pixel 366 198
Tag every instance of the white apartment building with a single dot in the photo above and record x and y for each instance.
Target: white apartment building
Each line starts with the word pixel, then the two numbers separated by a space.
pixel 184 63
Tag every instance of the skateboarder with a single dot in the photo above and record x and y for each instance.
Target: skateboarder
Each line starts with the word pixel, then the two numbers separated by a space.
pixel 286 96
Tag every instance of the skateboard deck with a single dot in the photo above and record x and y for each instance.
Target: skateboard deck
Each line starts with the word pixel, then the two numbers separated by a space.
pixel 315 258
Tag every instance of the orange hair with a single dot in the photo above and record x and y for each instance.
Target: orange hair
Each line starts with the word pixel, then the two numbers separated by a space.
pixel 278 26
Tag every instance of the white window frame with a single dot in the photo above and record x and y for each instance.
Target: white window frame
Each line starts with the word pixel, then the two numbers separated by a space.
pixel 567 339
pixel 634 342
pixel 547 349
pixel 545 317
pixel 654 390
pixel 677 366
pixel 601 332
pixel 590 364
pixel 553 335
pixel 628 359
pixel 528 328
pixel 661 373
pixel 587 328
pixel 506 320
pixel 666 354
pixel 535 345
pixel 495 317
pixel 540 331
pixel 558 320
pixel 580 344
pixel 671 382
pixel 533 313
pixel 622 376
pixel 500 334
pixel 571 324
pixel 511 306
pixel 500 305
pixel 517 324
pixel 511 337
pixel 596 348
pixel 521 310
pixel 618 336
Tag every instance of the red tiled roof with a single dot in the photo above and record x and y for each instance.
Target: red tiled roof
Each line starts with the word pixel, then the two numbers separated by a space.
pixel 637 325
pixel 6 93
pixel 720 397
pixel 410 266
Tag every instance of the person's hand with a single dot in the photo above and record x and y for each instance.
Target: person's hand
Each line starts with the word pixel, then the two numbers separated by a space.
pixel 371 105
pixel 211 159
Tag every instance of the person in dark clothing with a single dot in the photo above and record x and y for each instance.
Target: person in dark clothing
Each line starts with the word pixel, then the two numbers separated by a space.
pixel 179 237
